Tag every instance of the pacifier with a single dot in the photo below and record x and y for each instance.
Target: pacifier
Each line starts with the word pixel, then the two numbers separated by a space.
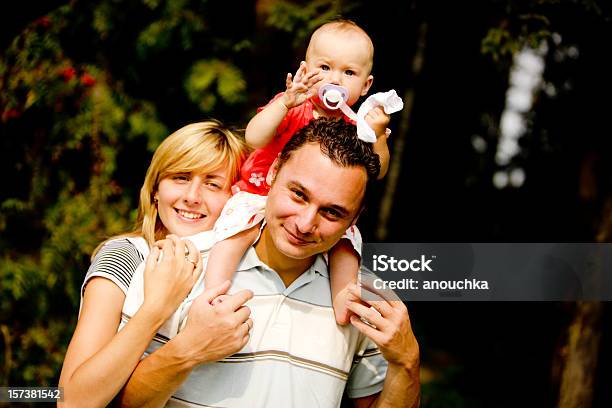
pixel 333 96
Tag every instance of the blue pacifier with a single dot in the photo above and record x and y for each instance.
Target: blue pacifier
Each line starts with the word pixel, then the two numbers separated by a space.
pixel 333 96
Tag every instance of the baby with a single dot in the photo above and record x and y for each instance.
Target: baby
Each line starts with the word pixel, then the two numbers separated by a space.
pixel 339 56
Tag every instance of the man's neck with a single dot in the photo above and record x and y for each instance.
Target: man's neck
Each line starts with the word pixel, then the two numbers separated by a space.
pixel 289 269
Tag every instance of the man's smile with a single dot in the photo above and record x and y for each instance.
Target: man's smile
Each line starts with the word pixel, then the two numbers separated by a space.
pixel 296 238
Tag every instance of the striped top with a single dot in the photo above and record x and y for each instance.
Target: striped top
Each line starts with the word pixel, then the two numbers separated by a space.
pixel 116 260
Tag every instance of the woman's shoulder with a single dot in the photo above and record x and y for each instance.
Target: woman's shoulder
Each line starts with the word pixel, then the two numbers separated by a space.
pixel 127 248
pixel 117 260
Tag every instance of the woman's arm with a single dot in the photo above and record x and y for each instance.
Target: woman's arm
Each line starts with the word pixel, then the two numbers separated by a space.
pixel 99 360
pixel 211 333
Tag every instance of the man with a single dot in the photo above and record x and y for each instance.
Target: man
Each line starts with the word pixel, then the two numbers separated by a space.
pixel 296 355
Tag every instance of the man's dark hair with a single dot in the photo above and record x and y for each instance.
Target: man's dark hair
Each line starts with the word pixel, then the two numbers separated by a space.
pixel 338 141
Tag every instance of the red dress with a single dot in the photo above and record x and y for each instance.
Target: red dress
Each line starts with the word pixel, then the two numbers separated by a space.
pixel 255 169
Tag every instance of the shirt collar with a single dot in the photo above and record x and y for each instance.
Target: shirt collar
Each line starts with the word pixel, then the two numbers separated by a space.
pixel 250 260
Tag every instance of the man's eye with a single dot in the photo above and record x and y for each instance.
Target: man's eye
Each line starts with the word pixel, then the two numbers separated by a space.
pixel 349 72
pixel 333 214
pixel 298 194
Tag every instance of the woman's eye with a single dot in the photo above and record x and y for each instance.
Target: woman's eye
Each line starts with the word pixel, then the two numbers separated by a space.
pixel 181 177
pixel 214 185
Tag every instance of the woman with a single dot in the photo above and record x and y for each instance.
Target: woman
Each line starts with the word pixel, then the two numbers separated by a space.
pixel 185 188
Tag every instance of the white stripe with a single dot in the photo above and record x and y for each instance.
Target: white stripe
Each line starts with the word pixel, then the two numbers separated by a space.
pixel 285 324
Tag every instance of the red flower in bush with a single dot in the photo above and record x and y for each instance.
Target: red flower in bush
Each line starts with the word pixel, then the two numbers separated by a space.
pixel 88 80
pixel 43 22
pixel 10 114
pixel 68 73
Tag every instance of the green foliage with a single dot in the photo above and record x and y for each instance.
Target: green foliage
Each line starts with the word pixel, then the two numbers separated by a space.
pixel 142 124
pixel 301 18
pixel 442 392
pixel 66 121
pixel 177 26
pixel 204 74
pixel 525 24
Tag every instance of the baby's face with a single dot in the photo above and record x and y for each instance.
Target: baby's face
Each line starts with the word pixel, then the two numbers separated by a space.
pixel 343 58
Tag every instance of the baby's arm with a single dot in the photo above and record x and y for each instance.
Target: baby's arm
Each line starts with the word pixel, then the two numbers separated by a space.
pixel 378 121
pixel 343 266
pixel 262 127
pixel 225 256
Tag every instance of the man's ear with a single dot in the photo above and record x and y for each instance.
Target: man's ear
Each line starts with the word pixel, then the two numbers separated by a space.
pixel 271 176
pixel 367 85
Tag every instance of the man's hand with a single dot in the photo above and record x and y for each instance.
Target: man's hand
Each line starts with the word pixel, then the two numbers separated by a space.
pixel 215 332
pixel 378 120
pixel 390 329
pixel 392 332
pixel 211 333
pixel 300 87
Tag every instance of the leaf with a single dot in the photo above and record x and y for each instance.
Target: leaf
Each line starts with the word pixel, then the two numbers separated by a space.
pixel 230 83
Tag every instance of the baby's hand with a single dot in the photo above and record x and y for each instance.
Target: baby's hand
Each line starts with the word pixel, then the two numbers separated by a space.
pixel 378 120
pixel 300 87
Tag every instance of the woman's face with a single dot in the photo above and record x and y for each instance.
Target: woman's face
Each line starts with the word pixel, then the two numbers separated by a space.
pixel 190 203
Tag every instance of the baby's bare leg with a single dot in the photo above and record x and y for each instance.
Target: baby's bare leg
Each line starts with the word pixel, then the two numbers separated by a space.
pixel 343 266
pixel 225 255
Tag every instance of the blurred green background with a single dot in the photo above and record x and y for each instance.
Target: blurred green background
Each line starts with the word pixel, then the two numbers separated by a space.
pixel 88 89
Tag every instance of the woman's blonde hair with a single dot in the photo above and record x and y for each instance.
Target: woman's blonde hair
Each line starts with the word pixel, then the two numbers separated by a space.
pixel 201 147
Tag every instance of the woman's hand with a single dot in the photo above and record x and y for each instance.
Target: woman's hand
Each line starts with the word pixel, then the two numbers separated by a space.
pixel 168 281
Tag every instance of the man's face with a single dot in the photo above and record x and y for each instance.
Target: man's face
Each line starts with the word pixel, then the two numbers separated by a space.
pixel 311 203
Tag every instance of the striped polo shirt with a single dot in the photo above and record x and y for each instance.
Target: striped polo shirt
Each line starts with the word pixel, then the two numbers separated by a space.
pixel 297 355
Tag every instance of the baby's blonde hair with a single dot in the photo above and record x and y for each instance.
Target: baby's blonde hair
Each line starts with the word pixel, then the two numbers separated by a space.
pixel 201 147
pixel 344 27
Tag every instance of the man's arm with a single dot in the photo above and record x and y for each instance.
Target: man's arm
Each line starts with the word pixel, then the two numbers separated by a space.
pixel 211 333
pixel 99 359
pixel 393 335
